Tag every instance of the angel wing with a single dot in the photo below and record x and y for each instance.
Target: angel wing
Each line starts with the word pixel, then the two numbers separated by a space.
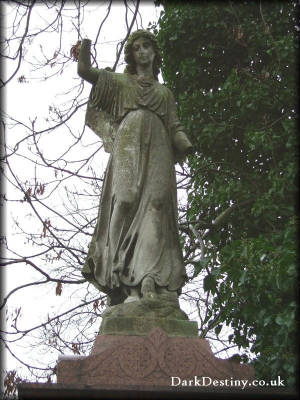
pixel 102 124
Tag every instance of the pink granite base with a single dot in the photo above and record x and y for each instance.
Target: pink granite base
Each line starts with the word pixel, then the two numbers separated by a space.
pixel 149 361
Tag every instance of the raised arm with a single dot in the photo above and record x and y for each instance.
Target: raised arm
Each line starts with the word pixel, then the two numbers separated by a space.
pixel 84 68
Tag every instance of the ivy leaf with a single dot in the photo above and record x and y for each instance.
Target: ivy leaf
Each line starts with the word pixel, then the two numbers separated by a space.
pixel 243 277
pixel 209 283
pixel 218 329
pixel 200 265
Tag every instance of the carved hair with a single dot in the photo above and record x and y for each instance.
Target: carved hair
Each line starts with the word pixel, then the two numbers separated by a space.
pixel 129 59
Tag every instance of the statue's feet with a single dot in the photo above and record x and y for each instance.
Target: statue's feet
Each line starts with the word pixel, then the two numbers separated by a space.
pixel 148 287
pixel 134 296
pixel 129 299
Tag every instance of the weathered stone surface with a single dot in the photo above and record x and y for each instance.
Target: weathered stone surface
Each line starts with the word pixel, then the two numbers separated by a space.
pixel 152 305
pixel 142 326
pixel 149 361
pixel 141 316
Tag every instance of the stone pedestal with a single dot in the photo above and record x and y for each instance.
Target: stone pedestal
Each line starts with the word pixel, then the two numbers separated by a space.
pixel 156 362
pixel 156 359
pixel 145 349
pixel 149 343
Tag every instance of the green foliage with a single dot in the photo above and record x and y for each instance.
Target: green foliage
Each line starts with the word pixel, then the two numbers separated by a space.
pixel 232 67
pixel 258 279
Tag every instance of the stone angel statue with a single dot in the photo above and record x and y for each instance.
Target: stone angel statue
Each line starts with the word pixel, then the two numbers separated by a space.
pixel 135 248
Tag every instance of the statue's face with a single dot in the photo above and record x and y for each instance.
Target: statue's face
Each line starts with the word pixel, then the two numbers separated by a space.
pixel 143 52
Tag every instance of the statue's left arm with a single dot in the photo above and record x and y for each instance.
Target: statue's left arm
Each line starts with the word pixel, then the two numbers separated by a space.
pixel 181 143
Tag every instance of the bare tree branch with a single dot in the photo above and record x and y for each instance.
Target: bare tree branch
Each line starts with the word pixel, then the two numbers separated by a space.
pixel 20 49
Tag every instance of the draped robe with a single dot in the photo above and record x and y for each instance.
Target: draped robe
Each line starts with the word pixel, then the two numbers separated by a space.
pixel 140 122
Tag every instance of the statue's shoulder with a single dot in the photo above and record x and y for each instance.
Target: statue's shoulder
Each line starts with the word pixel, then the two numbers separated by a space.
pixel 167 92
pixel 110 73
pixel 119 76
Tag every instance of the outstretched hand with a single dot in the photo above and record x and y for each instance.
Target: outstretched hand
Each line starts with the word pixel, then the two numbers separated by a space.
pixel 183 146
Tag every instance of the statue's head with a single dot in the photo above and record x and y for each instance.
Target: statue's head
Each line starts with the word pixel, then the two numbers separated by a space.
pixel 129 59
